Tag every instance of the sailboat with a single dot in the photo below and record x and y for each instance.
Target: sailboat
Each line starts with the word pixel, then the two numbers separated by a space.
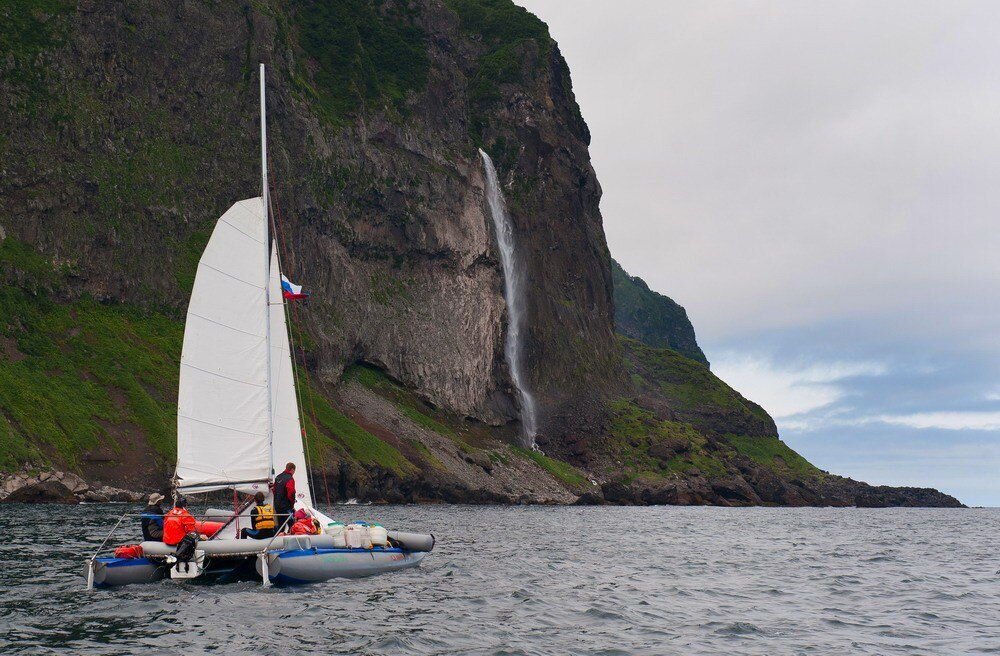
pixel 238 417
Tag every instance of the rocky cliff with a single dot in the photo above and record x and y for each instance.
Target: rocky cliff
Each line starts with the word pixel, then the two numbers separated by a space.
pixel 129 128
pixel 651 317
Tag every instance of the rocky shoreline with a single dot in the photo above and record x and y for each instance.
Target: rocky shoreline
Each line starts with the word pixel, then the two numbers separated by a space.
pixel 59 487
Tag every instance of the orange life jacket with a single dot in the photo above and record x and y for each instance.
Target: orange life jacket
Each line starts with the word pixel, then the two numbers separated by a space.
pixel 176 524
pixel 304 527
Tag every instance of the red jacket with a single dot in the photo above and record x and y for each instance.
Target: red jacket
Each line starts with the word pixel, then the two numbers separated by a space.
pixel 304 527
pixel 176 524
pixel 284 491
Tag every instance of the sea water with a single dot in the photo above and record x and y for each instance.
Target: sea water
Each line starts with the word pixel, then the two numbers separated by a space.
pixel 544 580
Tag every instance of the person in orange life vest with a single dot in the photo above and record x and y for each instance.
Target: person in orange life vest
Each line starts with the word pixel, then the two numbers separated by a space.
pixel 284 496
pixel 177 523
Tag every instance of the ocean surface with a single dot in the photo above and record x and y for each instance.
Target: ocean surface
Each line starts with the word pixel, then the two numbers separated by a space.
pixel 544 580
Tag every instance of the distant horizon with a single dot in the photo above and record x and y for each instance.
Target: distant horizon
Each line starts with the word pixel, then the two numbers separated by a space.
pixel 814 183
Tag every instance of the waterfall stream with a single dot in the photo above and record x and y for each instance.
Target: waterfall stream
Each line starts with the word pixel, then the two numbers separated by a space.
pixel 514 294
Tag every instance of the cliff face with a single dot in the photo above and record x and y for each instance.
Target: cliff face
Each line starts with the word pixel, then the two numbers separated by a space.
pixel 651 317
pixel 129 129
pixel 137 127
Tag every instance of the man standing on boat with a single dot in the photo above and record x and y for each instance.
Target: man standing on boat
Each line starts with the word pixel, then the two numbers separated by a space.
pixel 284 495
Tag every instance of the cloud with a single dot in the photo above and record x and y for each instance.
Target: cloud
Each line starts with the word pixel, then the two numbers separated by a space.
pixel 789 389
pixel 978 421
pixel 773 164
pixel 816 184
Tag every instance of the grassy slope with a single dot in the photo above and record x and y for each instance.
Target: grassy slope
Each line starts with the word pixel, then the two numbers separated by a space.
pixel 72 373
pixel 450 427
pixel 652 447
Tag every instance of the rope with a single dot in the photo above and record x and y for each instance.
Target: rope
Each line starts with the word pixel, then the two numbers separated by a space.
pixel 280 240
pixel 115 528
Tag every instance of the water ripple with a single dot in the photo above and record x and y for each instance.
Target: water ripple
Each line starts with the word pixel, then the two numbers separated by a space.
pixel 541 580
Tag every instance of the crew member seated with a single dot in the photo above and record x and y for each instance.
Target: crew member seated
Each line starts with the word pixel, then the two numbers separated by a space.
pixel 304 524
pixel 178 522
pixel 152 518
pixel 261 519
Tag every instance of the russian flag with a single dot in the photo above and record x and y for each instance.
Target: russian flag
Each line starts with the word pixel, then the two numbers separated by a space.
pixel 290 291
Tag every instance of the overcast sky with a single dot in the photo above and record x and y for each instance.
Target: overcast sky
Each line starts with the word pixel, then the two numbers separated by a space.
pixel 818 184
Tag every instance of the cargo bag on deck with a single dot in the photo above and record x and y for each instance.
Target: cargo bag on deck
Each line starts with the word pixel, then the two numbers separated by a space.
pixel 185 551
pixel 128 551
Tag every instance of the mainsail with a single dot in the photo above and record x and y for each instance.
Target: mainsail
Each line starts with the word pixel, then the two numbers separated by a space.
pixel 223 417
pixel 222 402
pixel 237 413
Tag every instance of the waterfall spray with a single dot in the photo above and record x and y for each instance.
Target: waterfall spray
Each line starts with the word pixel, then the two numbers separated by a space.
pixel 513 276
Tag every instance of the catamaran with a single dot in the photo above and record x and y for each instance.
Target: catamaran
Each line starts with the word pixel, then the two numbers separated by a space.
pixel 238 416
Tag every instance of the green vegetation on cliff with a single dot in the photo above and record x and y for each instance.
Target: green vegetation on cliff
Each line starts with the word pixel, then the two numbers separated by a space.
pixel 692 391
pixel 652 318
pixel 75 377
pixel 363 53
pixel 773 454
pixel 504 29
pixel 565 472
pixel 684 420
pixel 333 430
pixel 647 446
pixel 27 29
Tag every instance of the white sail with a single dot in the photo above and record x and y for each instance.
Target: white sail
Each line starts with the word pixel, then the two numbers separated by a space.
pixel 222 407
pixel 288 438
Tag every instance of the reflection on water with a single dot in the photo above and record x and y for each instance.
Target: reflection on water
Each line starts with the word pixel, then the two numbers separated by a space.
pixel 540 580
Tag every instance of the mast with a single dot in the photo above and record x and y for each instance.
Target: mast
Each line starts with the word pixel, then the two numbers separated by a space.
pixel 267 265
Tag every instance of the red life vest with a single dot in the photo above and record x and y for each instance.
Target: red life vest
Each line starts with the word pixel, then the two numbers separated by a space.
pixel 176 524
pixel 128 551
pixel 304 527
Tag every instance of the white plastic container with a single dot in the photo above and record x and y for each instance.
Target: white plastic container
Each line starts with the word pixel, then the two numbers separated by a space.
pixel 357 536
pixel 379 536
pixel 336 531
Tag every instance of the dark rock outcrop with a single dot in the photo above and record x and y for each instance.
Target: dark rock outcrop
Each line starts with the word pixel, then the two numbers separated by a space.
pixel 651 317
pixel 49 491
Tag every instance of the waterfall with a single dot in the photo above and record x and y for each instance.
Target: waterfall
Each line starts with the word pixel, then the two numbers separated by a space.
pixel 514 294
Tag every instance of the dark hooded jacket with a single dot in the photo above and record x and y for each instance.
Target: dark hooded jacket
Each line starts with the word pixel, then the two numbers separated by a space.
pixel 152 522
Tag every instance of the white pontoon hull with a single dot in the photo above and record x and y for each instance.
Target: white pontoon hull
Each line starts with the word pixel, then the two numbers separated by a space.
pixel 292 560
pixel 316 565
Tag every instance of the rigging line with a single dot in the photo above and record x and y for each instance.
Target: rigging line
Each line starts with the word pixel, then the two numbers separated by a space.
pixel 219 323
pixel 279 239
pixel 222 219
pixel 305 365
pixel 229 275
pixel 298 393
pixel 218 375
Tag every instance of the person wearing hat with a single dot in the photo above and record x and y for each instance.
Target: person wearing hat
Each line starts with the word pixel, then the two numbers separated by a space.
pixel 152 518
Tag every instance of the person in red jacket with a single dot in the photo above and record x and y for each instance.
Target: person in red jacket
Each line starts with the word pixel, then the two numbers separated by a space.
pixel 284 496
pixel 304 524
pixel 177 523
